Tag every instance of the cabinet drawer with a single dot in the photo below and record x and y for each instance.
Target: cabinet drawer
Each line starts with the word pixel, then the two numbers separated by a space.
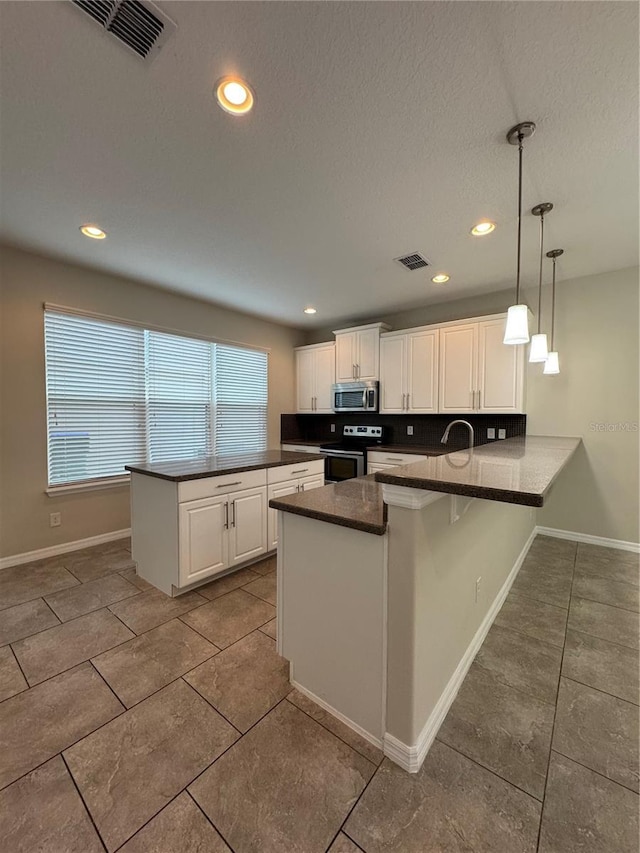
pixel 300 448
pixel 381 458
pixel 292 472
pixel 224 484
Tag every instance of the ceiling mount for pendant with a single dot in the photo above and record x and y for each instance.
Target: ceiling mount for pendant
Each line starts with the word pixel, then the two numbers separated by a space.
pixel 555 253
pixel 520 131
pixel 541 209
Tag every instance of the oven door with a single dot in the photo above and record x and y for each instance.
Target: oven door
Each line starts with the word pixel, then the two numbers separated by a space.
pixel 342 465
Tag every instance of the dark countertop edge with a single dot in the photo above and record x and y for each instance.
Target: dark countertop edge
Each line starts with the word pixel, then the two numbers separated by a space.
pixel 416 450
pixel 341 521
pixel 237 469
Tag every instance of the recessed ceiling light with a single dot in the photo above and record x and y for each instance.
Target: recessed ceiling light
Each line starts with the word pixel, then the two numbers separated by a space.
pixel 234 95
pixel 483 228
pixel 93 231
pixel 309 310
pixel 440 279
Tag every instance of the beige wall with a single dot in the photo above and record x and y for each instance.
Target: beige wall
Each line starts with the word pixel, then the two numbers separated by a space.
pixel 27 282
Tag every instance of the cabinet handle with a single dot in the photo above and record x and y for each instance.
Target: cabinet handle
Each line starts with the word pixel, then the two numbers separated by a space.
pixel 226 515
pixel 233 508
pixel 315 404
pixel 408 395
pixel 390 459
pixel 403 396
pixel 479 393
pixel 226 485
pixel 300 471
pixel 353 371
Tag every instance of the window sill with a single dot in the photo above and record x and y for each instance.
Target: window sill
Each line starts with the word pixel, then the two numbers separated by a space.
pixel 88 486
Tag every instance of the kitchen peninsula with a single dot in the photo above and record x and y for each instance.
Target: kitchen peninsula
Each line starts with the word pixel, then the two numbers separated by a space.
pixel 387 584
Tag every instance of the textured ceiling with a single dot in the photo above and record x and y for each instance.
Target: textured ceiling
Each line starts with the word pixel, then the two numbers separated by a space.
pixel 378 130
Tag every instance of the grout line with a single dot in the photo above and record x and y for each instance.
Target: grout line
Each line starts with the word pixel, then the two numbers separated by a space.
pixel 600 690
pixel 147 822
pixel 82 800
pixel 26 680
pixel 102 678
pixel 608 604
pixel 217 710
pixel 207 818
pixel 597 772
pixel 602 640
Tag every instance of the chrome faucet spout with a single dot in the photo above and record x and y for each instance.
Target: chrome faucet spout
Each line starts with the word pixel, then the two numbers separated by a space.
pixel 445 437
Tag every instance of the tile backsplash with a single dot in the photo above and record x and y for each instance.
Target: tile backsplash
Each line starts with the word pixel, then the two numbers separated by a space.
pixel 427 429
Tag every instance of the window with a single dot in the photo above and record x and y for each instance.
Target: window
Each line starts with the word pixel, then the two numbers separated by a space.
pixel 119 395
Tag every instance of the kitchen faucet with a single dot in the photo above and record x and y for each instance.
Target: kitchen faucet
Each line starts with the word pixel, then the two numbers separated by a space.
pixel 445 437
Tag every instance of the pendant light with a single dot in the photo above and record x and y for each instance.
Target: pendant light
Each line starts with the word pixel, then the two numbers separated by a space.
pixel 552 364
pixel 538 352
pixel 517 328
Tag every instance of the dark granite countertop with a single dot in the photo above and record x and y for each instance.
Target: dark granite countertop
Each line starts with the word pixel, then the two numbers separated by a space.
pixel 517 470
pixel 316 442
pixel 210 466
pixel 353 503
pixel 419 450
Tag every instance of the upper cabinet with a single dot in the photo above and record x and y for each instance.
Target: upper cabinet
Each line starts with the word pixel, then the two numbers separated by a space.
pixel 409 372
pixel 315 374
pixel 478 373
pixel 358 353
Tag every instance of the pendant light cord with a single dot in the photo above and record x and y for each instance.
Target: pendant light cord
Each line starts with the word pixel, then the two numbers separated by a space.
pixel 520 138
pixel 540 274
pixel 553 303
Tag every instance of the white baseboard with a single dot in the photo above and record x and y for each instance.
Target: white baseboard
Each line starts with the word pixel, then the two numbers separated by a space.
pixel 347 722
pixel 63 548
pixel 621 544
pixel 410 758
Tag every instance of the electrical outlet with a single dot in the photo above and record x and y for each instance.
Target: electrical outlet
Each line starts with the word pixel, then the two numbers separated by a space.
pixel 333 427
pixel 491 432
pixel 478 582
pixel 502 433
pixel 409 430
pixel 55 519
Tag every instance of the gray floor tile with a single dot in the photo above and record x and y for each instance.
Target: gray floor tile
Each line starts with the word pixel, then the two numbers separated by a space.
pixel 602 620
pixel 71 603
pixel 525 663
pixel 38 723
pixel 270 629
pixel 12 680
pixel 450 805
pixel 152 608
pixel 599 731
pixel 533 618
pixel 56 649
pixel 546 565
pixel 264 567
pixel 43 812
pixel 342 844
pixel 287 785
pixel 603 665
pixel 244 681
pixel 553 546
pixel 264 588
pixel 138 668
pixel 33 580
pixel 89 568
pixel 338 728
pixel 586 813
pixel 179 828
pixel 617 565
pixel 25 619
pixel 221 586
pixel 230 617
pixel 503 729
pixel 133 577
pixel 606 591
pixel 133 767
pixel 551 589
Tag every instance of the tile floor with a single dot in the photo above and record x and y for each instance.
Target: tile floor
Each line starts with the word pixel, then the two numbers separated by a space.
pixel 135 722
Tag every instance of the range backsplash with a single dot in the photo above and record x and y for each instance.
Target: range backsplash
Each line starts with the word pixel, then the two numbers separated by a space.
pixel 427 429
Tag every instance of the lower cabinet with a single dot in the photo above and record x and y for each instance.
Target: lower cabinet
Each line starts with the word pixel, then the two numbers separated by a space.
pixel 247 525
pixel 289 487
pixel 379 460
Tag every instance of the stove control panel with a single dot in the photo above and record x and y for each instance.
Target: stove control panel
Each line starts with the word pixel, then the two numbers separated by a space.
pixel 374 432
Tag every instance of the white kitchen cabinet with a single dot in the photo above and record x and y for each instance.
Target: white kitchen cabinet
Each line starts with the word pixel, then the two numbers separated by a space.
pixel 358 353
pixel 204 545
pixel 277 490
pixel 247 525
pixel 315 374
pixel 312 477
pixel 372 467
pixel 380 460
pixel 409 372
pixel 458 368
pixel 315 481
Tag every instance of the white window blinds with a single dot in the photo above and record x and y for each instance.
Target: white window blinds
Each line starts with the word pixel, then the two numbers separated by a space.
pixel 119 395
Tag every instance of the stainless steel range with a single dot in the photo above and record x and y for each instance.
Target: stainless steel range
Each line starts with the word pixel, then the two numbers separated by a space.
pixel 346 459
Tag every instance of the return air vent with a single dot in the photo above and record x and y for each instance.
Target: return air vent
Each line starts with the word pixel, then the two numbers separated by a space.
pixel 414 261
pixel 141 26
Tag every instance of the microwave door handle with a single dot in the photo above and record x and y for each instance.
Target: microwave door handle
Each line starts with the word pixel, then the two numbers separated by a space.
pixel 364 400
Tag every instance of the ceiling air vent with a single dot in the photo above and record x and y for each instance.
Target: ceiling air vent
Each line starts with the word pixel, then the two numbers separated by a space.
pixel 140 26
pixel 414 261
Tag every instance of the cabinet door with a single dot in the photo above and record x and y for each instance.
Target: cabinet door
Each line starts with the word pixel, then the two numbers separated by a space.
pixel 458 368
pixel 203 538
pixel 393 357
pixel 372 467
pixel 325 376
pixel 500 370
pixel 314 481
pixel 279 490
pixel 305 378
pixel 422 371
pixel 247 525
pixel 368 354
pixel 345 357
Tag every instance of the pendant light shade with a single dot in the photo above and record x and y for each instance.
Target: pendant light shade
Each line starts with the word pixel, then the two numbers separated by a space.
pixel 517 328
pixel 539 349
pixel 552 364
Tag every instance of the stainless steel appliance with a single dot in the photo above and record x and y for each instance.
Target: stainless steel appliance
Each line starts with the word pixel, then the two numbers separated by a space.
pixel 346 459
pixel 355 397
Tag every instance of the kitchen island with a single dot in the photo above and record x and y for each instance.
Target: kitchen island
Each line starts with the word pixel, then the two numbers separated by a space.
pixel 388 584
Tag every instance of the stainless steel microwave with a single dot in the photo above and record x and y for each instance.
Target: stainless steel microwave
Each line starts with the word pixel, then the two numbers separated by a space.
pixel 355 397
